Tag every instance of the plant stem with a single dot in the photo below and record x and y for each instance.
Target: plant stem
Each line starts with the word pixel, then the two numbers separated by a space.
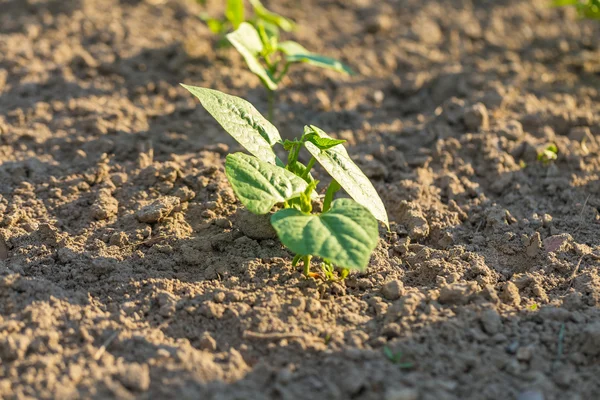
pixel 271 99
pixel 333 187
pixel 307 265
pixel 309 166
pixel 297 258
pixel 293 157
pixel 283 72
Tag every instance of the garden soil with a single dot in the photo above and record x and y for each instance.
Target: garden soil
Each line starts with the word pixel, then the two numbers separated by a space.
pixel 129 270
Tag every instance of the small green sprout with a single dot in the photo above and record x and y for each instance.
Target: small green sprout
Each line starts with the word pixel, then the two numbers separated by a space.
pixel 549 153
pixel 522 164
pixel 345 233
pixel 532 307
pixel 397 358
pixel 329 271
pixel 585 8
pixel 269 58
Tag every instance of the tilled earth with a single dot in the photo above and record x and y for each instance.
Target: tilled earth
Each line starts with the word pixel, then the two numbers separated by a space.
pixel 129 270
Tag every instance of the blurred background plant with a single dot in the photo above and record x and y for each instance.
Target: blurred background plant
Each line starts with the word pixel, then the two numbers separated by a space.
pixel 257 39
pixel 585 8
pixel 269 58
pixel 235 14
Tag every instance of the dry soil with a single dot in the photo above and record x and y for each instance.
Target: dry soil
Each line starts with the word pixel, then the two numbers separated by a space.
pixel 129 270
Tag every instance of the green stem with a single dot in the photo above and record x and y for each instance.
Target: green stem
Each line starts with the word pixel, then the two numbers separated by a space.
pixel 309 166
pixel 293 157
pixel 271 99
pixel 333 187
pixel 297 258
pixel 307 265
pixel 283 72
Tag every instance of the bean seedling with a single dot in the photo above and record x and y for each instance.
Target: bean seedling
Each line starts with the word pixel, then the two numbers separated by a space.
pixel 269 58
pixel 548 154
pixel 345 233
pixel 235 14
pixel 397 358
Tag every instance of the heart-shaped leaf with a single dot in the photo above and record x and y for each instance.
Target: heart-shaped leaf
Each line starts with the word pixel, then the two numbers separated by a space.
pixel 247 42
pixel 346 235
pixel 338 164
pixel 260 185
pixel 295 52
pixel 241 120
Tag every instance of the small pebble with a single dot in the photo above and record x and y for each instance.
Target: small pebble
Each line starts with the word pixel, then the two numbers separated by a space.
pixel 402 394
pixel 158 210
pixel 393 290
pixel 476 117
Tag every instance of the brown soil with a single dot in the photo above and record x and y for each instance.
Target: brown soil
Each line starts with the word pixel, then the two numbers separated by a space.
pixel 128 269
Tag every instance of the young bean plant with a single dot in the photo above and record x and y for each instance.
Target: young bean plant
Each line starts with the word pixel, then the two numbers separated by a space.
pixel 235 14
pixel 345 233
pixel 269 58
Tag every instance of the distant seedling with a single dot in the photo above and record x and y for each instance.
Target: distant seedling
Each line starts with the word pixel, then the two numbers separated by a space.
pixel 258 41
pixel 269 58
pixel 235 14
pixel 548 154
pixel 397 358
pixel 345 233
pixel 585 8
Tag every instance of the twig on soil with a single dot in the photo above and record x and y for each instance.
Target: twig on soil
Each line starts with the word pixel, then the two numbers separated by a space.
pixel 581 213
pixel 272 336
pixel 479 226
pixel 105 345
pixel 150 241
pixel 576 268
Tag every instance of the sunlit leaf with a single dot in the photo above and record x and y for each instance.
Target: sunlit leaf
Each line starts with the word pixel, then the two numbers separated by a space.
pixel 241 120
pixel 260 185
pixel 346 235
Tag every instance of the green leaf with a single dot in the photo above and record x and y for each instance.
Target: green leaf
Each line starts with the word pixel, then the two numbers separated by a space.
pixel 241 120
pixel 247 42
pixel 271 30
pixel 322 62
pixel 234 12
pixel 321 142
pixel 271 17
pixel 295 52
pixel 338 164
pixel 299 169
pixel 260 185
pixel 346 235
pixel 331 191
pixel 290 48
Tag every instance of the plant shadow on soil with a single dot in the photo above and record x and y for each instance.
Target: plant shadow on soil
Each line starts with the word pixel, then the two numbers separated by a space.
pixel 353 372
